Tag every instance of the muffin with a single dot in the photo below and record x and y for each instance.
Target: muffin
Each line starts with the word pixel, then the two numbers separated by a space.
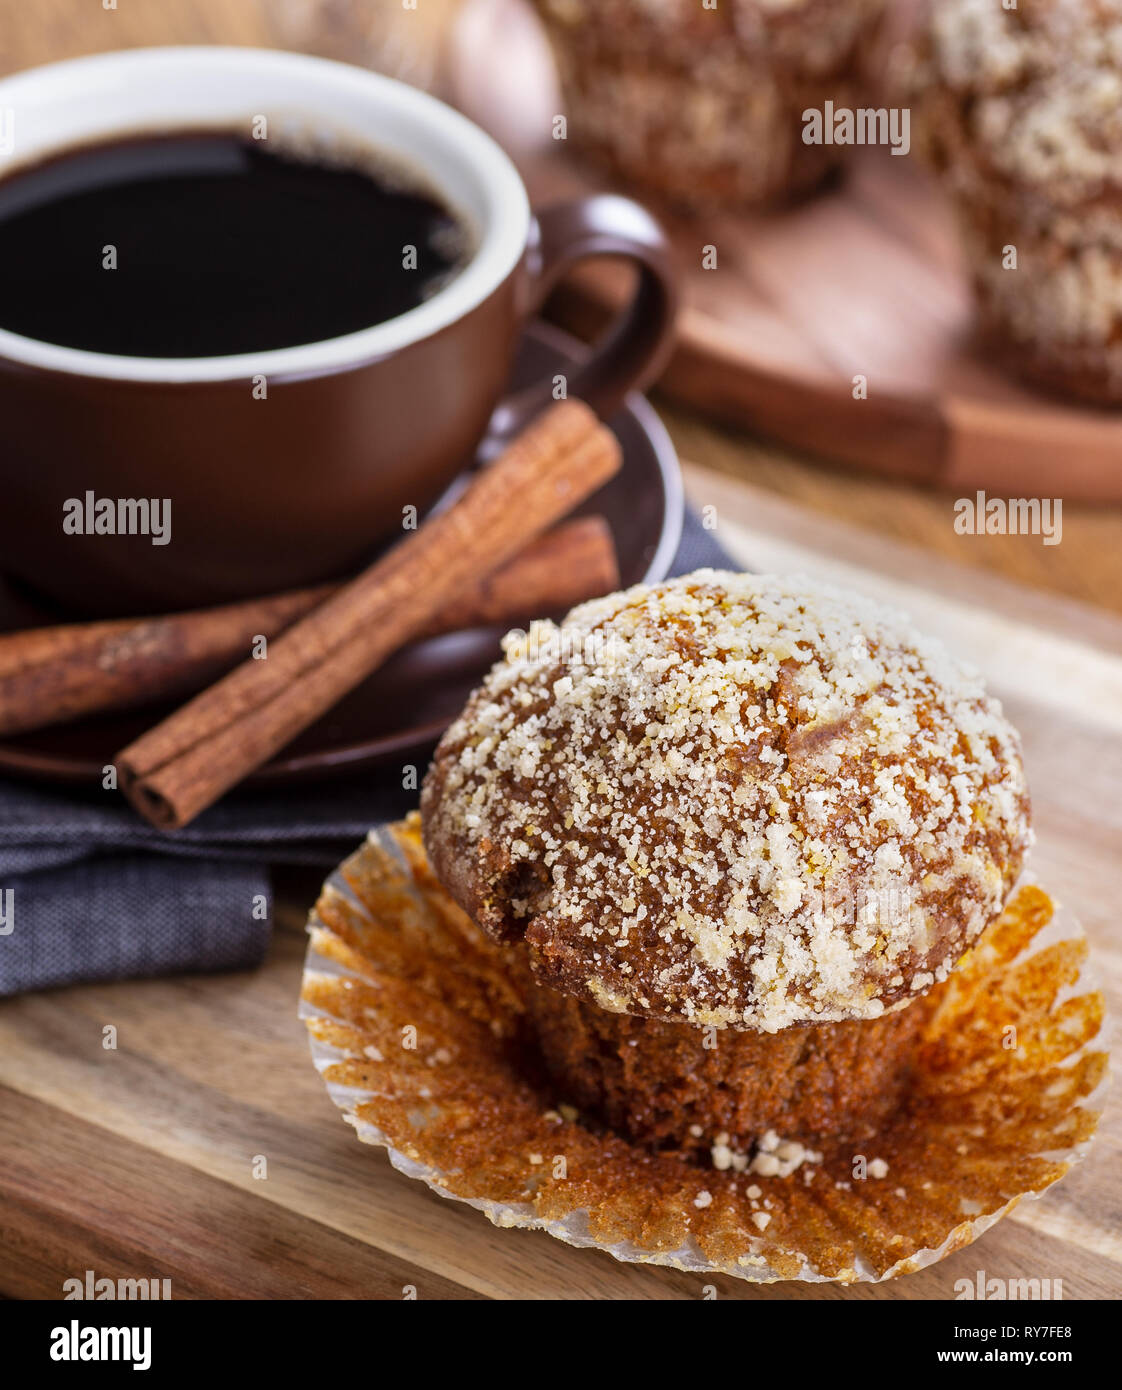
pixel 1021 113
pixel 705 105
pixel 734 829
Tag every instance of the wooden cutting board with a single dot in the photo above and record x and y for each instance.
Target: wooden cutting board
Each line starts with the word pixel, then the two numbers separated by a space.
pixel 783 311
pixel 862 284
pixel 145 1160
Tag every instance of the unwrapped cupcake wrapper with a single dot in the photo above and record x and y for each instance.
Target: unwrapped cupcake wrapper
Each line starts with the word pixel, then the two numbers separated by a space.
pixel 417 1027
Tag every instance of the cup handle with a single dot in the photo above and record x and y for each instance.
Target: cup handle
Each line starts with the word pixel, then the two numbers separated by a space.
pixel 633 351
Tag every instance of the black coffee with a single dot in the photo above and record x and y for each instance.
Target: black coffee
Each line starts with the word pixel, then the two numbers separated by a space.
pixel 204 244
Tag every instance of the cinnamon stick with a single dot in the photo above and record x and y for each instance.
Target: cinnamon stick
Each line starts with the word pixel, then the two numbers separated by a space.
pixel 186 763
pixel 55 674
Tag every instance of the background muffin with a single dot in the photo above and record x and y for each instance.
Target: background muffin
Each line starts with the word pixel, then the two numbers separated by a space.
pixel 705 105
pixel 1022 114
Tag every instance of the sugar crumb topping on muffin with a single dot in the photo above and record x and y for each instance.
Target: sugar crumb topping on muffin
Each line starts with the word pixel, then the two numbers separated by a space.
pixel 805 33
pixel 741 800
pixel 703 104
pixel 1043 83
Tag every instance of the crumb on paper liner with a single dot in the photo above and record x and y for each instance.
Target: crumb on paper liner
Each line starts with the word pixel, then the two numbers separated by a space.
pixel 469 1112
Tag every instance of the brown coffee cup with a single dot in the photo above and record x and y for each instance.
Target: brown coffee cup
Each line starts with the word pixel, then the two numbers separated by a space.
pixel 291 466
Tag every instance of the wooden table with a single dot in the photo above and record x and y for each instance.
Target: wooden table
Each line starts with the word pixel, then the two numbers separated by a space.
pixel 141 1160
pixel 146 1159
pixel 1087 565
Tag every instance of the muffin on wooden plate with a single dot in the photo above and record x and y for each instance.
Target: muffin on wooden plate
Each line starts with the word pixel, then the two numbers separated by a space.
pixel 734 827
pixel 705 105
pixel 1022 114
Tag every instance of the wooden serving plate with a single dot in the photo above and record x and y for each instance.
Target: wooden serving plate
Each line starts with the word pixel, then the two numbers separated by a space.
pixel 864 278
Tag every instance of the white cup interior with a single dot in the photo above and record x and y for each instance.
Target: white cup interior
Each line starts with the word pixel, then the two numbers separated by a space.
pixel 51 109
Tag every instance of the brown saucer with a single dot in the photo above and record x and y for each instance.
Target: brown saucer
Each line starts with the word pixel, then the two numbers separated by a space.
pixel 406 705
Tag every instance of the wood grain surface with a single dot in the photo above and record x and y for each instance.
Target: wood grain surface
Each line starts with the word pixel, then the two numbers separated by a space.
pixel 1088 565
pixel 142 1160
pixel 862 284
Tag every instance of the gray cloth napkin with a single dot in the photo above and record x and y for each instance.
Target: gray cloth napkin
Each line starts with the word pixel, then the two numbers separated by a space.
pixel 90 892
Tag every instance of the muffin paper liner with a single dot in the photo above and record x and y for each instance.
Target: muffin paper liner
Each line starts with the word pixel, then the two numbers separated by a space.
pixel 417 1026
